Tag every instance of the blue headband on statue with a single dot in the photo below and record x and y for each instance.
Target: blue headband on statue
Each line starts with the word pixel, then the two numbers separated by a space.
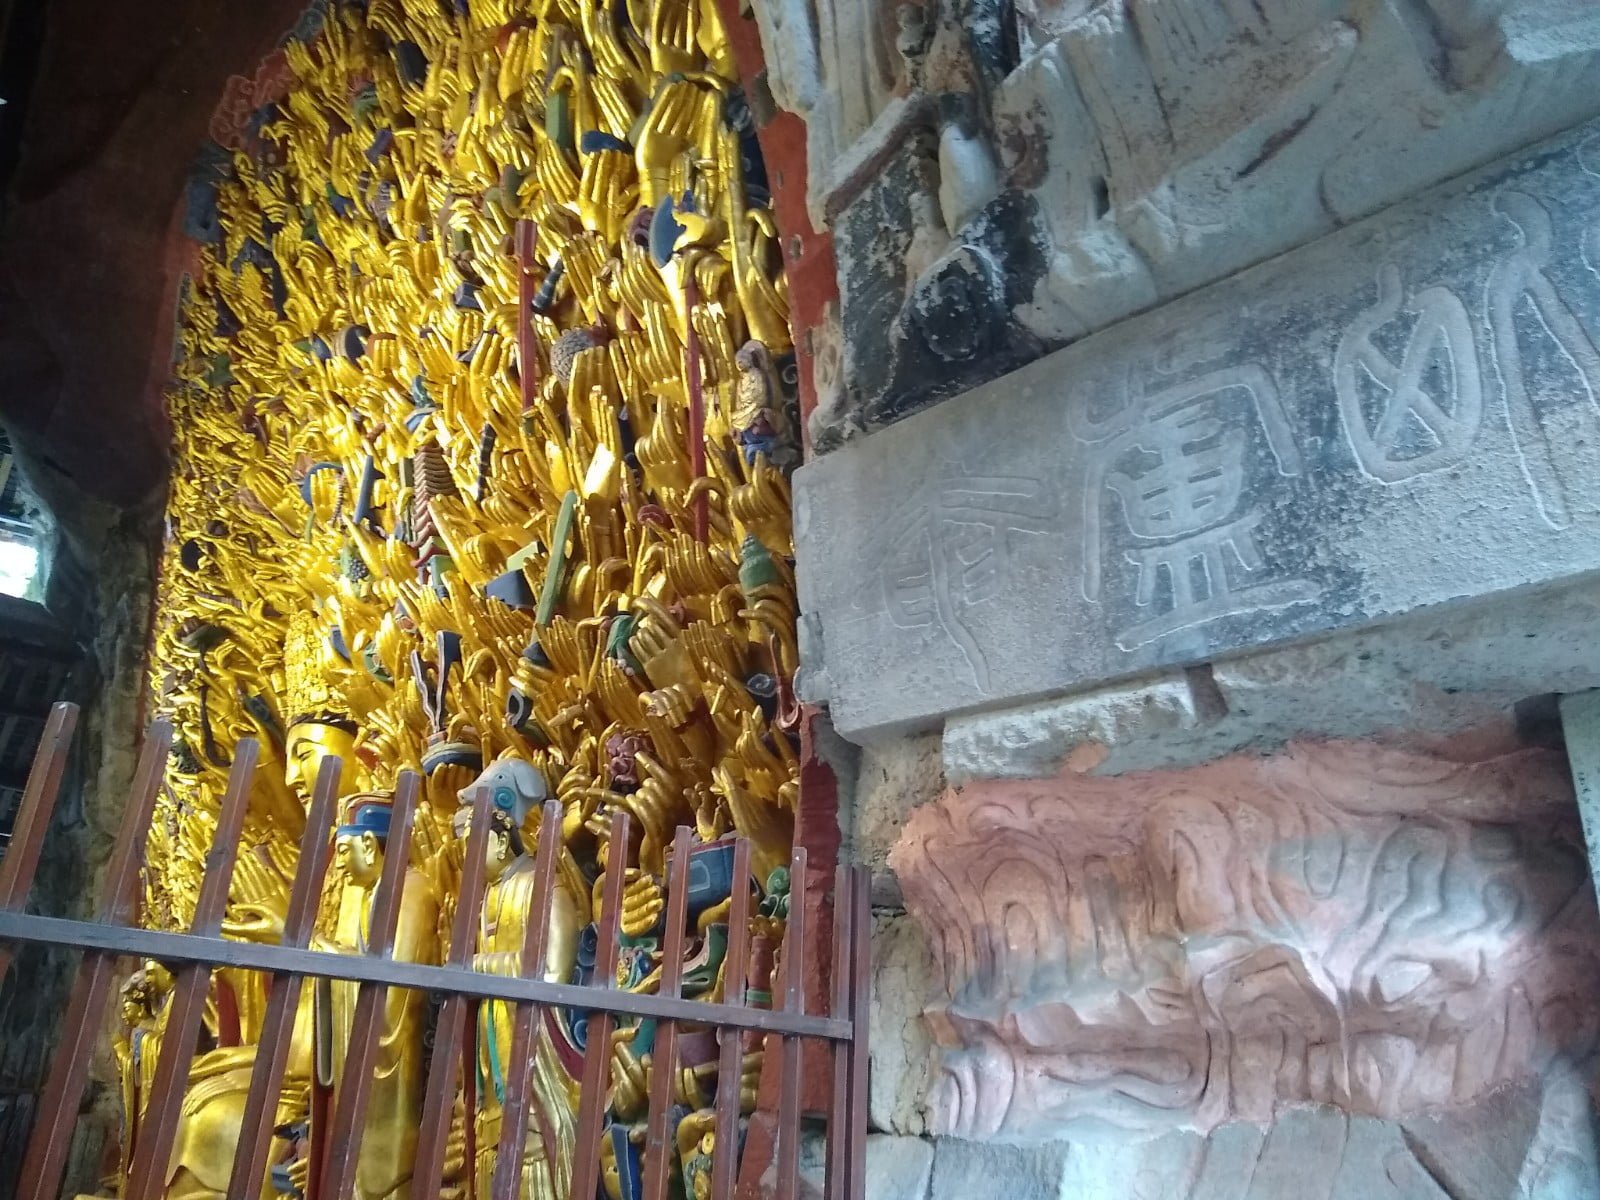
pixel 368 817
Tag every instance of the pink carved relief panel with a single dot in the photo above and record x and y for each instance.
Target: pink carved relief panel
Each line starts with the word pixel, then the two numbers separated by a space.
pixel 1382 930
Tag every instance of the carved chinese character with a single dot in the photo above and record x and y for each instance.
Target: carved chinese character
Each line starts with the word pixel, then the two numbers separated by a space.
pixel 1542 433
pixel 1176 467
pixel 947 550
pixel 1415 433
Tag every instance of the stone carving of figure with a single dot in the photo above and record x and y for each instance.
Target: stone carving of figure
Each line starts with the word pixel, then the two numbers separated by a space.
pixel 517 788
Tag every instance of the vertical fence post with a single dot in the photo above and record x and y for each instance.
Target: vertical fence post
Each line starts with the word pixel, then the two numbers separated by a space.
pixel 21 859
pixel 725 1147
pixel 660 1148
pixel 147 1174
pixel 445 1062
pixel 355 1082
pixel 597 1050
pixel 860 1015
pixel 50 1140
pixel 843 962
pixel 794 1004
pixel 506 1184
pixel 283 991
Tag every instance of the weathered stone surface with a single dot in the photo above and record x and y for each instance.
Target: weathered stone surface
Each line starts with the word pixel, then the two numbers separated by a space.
pixel 1517 1144
pixel 1136 151
pixel 965 1169
pixel 1401 415
pixel 1385 931
pixel 1100 732
pixel 901 1050
pixel 898 1168
pixel 1435 674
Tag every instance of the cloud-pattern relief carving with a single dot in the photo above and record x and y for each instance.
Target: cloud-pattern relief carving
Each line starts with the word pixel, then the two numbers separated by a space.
pixel 1382 930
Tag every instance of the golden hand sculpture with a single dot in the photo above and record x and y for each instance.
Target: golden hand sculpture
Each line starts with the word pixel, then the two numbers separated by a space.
pixel 382 437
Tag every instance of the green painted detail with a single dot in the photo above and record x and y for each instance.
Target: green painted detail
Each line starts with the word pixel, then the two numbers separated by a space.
pixel 555 574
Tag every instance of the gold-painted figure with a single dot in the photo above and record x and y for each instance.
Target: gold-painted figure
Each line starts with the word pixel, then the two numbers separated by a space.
pixel 418 524
pixel 516 789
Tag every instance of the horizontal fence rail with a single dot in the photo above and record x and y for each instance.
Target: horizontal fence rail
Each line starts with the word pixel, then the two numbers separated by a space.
pixel 338 1126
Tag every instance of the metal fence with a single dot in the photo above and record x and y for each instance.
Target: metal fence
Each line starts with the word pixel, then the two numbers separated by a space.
pixel 194 955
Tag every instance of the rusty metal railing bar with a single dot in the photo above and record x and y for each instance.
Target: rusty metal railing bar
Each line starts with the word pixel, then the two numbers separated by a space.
pixel 187 1006
pixel 659 1152
pixel 26 842
pixel 444 1064
pixel 725 1147
pixel 49 1143
pixel 506 1181
pixel 843 965
pixel 187 948
pixel 283 990
pixel 794 1004
pixel 860 1015
pixel 597 1044
pixel 354 1092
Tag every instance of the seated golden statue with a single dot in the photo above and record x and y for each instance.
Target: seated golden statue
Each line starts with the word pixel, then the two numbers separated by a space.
pixel 482 423
pixel 213 1103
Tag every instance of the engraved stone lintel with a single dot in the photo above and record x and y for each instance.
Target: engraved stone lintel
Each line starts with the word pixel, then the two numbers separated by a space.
pixel 1401 415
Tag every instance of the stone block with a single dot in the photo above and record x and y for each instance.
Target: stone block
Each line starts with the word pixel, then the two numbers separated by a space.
pixel 962 1170
pixel 1101 732
pixel 898 1168
pixel 1402 415
pixel 1432 675
pixel 1517 1144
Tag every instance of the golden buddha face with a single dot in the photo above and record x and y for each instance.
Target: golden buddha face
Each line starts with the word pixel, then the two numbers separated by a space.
pixel 359 857
pixel 500 853
pixel 307 745
pixel 135 1002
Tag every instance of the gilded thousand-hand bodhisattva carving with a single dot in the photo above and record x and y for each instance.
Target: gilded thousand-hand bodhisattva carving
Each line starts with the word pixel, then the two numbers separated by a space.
pixel 440 502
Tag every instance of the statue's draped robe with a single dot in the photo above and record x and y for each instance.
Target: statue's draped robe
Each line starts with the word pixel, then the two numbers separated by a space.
pixel 394 1108
pixel 508 906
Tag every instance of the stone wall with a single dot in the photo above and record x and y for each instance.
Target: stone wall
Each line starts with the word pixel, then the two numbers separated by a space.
pixel 84 643
pixel 87 651
pixel 1365 962
pixel 1002 178
pixel 1204 639
pixel 1393 419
